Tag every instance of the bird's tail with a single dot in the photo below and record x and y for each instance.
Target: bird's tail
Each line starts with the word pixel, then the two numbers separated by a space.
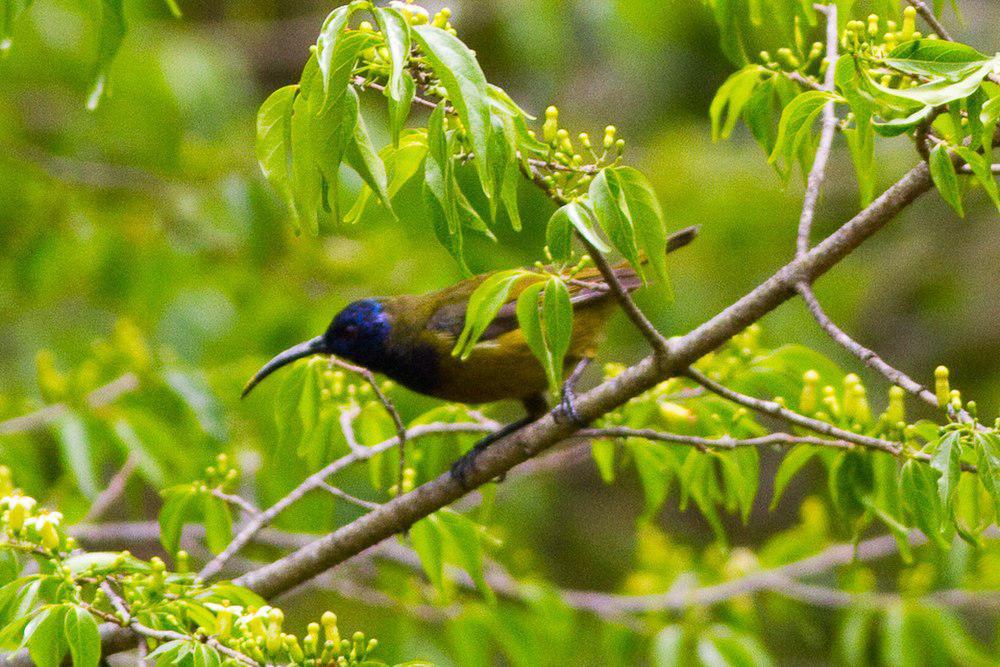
pixel 681 237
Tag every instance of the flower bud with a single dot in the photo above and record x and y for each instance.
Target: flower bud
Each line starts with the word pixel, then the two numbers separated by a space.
pixel 896 410
pixel 551 125
pixel 808 400
pixel 788 59
pixel 909 23
pixel 183 562
pixel 942 388
pixel 872 25
pixel 609 136
pixel 329 621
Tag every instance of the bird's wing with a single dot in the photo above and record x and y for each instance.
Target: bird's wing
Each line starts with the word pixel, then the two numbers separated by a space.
pixel 588 287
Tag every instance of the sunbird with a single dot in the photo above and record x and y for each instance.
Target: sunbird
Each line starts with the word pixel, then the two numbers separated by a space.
pixel 410 339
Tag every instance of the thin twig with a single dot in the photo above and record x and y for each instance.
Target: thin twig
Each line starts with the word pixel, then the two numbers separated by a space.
pixel 803 81
pixel 238 501
pixel 655 339
pixel 817 174
pixel 99 397
pixel 343 495
pixel 113 492
pixel 776 410
pixel 313 481
pixel 869 357
pixel 932 21
pixel 390 408
pixel 705 444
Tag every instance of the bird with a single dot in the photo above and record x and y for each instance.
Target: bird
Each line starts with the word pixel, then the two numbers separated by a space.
pixel 410 338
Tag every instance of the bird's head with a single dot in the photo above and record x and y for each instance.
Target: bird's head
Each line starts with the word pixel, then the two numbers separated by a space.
pixel 357 333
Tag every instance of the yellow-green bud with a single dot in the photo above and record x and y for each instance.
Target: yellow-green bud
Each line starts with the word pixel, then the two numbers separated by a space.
pixel 896 410
pixel 6 481
pixel 955 398
pixel 366 26
pixel 873 24
pixel 830 400
pixel 942 388
pixel 183 562
pixel 909 23
pixel 609 136
pixel 809 398
pixel 584 139
pixel 294 650
pixel 563 141
pixel 330 631
pixel 788 59
pixel 551 125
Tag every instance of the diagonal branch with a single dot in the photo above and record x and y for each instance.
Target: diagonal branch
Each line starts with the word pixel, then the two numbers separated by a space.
pixel 401 512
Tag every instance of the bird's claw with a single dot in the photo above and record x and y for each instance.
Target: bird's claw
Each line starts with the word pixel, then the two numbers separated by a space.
pixel 466 465
pixel 565 412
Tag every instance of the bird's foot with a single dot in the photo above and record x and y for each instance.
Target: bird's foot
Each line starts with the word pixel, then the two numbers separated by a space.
pixel 565 412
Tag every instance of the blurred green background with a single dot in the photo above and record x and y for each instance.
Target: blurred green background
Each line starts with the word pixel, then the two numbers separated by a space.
pixel 151 208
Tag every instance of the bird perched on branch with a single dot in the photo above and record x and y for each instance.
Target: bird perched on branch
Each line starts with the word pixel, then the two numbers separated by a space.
pixel 410 339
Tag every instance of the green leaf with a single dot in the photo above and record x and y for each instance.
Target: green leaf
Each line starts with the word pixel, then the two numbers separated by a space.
pixel 936 58
pixel 426 539
pixel 796 123
pixel 668 647
pixel 45 637
pixel 456 67
pixel 656 467
pixel 790 465
pixel 83 637
pixel 982 169
pixel 76 445
pixel 364 159
pixel 557 321
pixel 731 98
pixel 935 93
pixel 576 215
pixel 218 522
pixel 559 235
pixel 924 504
pixel 988 451
pixel 193 389
pixel 860 138
pixel 111 32
pixel 644 209
pixel 176 510
pixel 943 173
pixel 529 319
pixel 740 470
pixel 274 140
pixel 484 303
pixel 401 162
pixel 897 126
pixel 612 213
pixel 947 460
pixel 851 482
pixel 440 187
pixel 463 535
pixel 400 88
pixel 603 452
pixel 331 37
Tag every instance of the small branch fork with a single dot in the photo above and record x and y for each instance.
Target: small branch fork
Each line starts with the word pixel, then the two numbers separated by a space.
pixel 317 480
pixel 814 183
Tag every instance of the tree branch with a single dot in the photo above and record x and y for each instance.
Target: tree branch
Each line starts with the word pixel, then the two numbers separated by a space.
pixel 318 479
pixel 99 397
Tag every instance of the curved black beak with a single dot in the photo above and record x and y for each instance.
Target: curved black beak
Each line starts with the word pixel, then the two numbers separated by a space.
pixel 306 349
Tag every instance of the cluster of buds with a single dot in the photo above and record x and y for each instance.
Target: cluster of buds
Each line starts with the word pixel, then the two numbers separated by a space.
pixel 869 36
pixel 849 407
pixel 809 63
pixel 125 350
pixel 258 634
pixel 23 521
pixel 569 169
pixel 221 476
